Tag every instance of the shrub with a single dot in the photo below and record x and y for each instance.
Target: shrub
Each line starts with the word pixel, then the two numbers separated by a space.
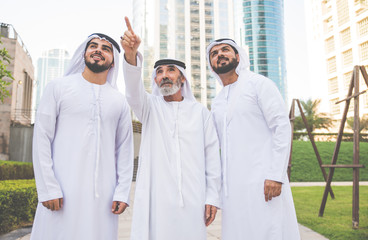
pixel 18 202
pixel 15 170
pixel 329 137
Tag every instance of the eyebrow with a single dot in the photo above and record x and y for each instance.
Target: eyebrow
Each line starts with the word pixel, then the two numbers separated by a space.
pixel 103 45
pixel 169 66
pixel 216 50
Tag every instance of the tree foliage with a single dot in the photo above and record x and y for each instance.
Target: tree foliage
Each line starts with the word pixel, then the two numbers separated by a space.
pixel 315 120
pixel 363 123
pixel 4 61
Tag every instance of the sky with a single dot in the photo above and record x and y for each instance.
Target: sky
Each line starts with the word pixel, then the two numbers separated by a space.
pixel 49 24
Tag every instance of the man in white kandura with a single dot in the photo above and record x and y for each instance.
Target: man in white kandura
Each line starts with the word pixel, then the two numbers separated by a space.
pixel 255 136
pixel 83 148
pixel 179 176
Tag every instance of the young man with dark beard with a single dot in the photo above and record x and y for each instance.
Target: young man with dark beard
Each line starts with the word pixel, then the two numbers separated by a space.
pixel 83 148
pixel 254 131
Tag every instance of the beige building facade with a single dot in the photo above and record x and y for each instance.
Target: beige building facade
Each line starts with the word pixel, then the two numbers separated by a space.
pixel 16 109
pixel 337 41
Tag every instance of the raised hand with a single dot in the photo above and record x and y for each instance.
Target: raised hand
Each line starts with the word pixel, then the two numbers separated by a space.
pixel 130 43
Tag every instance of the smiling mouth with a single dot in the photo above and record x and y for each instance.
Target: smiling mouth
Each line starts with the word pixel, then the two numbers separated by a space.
pixel 97 57
pixel 222 60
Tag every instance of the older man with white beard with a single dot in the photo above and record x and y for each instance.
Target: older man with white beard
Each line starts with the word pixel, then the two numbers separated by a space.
pixel 179 175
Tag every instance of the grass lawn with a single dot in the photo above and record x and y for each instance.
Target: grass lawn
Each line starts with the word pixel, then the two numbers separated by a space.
pixel 305 166
pixel 336 223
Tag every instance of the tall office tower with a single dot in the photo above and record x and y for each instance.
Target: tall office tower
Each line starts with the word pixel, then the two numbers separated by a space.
pixel 51 65
pixel 182 29
pixel 260 26
pixel 338 40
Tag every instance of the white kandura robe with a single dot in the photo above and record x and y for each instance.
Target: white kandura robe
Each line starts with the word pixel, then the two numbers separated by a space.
pixel 82 152
pixel 255 145
pixel 179 165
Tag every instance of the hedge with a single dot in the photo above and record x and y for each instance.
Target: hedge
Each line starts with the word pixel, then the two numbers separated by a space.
pixel 329 137
pixel 16 170
pixel 18 202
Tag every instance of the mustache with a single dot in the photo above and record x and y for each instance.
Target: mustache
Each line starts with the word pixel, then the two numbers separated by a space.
pixel 165 81
pixel 221 58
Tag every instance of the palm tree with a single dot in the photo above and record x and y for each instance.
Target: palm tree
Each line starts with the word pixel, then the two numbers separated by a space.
pixel 315 120
pixel 363 123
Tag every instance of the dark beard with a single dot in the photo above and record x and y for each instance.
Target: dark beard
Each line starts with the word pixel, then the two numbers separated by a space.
pixel 94 67
pixel 226 68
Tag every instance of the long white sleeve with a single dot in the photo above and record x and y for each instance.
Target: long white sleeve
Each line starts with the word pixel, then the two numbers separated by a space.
pixel 135 93
pixel 213 164
pixel 124 154
pixel 274 112
pixel 48 186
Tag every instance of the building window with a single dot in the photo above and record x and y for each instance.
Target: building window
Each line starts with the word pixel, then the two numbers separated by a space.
pixel 363 2
pixel 347 80
pixel 363 51
pixel 27 96
pixel 330 45
pixel 363 27
pixel 347 58
pixel 333 85
pixel 328 25
pixel 342 11
pixel 335 108
pixel 331 65
pixel 345 37
pixel 326 6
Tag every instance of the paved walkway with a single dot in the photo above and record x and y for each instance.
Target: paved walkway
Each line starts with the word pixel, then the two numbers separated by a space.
pixel 213 231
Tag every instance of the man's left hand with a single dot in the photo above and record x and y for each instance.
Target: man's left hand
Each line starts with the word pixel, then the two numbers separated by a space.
pixel 271 189
pixel 118 207
pixel 210 214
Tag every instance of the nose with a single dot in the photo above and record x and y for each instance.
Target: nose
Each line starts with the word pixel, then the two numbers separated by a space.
pixel 164 74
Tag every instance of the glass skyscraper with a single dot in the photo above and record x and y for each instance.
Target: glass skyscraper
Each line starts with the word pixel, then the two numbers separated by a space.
pixel 263 32
pixel 51 65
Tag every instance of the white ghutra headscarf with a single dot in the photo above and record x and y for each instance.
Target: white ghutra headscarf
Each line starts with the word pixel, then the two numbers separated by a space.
pixel 77 64
pixel 244 58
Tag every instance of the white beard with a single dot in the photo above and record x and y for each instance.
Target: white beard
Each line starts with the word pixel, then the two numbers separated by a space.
pixel 168 91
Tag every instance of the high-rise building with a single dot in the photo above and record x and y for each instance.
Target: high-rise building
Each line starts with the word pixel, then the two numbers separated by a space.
pixel 16 109
pixel 182 29
pixel 260 26
pixel 338 40
pixel 51 65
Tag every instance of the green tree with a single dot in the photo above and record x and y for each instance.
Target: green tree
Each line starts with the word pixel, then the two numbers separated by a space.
pixel 4 61
pixel 315 120
pixel 363 123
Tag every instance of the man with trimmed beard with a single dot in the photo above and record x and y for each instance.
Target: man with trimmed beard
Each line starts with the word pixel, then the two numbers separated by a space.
pixel 255 136
pixel 179 176
pixel 83 148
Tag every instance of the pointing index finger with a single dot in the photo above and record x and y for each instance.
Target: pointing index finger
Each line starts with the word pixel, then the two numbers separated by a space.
pixel 127 22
